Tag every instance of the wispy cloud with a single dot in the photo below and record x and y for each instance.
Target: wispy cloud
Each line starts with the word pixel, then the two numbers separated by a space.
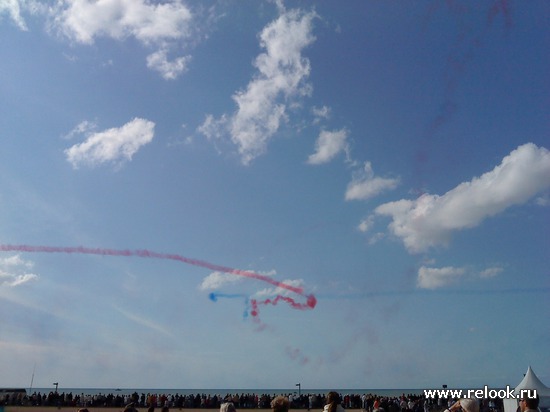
pixel 85 127
pixel 432 278
pixel 13 9
pixel 281 76
pixel 365 184
pixel 320 113
pixel 148 323
pixel 543 200
pixel 328 145
pixel 217 280
pixel 430 220
pixel 271 292
pixel 491 272
pixel 115 145
pixel 170 70
pixel 11 280
pixel 14 271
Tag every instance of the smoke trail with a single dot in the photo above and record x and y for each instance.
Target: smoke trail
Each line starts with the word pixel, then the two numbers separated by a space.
pixel 463 51
pixel 310 304
pixel 143 253
pixel 254 303
pixel 213 296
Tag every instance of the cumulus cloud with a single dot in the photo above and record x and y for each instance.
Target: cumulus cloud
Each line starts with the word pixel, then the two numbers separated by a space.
pixel 281 75
pixel 365 184
pixel 433 278
pixel 328 145
pixel 85 20
pixel 114 145
pixel 10 271
pixel 153 24
pixel 429 220
pixel 217 280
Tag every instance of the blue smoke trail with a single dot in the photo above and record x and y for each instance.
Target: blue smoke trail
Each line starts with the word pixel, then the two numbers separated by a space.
pixel 214 298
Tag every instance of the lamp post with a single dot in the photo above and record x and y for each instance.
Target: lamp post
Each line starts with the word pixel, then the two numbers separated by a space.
pixel 299 389
pixel 56 385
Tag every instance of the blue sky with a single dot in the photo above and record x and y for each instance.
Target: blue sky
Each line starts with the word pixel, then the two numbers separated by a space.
pixel 390 158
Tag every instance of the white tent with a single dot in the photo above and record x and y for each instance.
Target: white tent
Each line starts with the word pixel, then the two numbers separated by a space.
pixel 530 381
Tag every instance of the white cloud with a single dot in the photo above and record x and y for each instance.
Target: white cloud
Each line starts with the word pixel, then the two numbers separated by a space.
pixel 84 127
pixel 12 264
pixel 85 20
pixel 433 278
pixel 169 70
pixel 376 238
pixel 320 113
pixel 15 260
pixel 543 200
pixel 282 71
pixel 156 24
pixel 490 272
pixel 365 184
pixel 366 224
pixel 113 145
pixel 328 145
pixel 7 279
pixel 213 128
pixel 429 220
pixel 272 292
pixel 13 9
pixel 217 280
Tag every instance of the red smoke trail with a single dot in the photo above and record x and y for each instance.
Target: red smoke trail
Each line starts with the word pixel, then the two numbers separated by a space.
pixel 255 311
pixel 311 300
pixel 310 304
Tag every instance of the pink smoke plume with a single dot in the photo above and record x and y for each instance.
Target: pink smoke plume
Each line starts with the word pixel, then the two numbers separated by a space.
pixel 143 253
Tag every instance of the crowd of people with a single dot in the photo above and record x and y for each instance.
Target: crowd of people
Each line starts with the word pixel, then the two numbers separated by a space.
pixel 331 402
pixel 205 401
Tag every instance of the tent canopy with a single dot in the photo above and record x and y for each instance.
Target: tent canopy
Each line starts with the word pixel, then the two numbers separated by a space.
pixel 530 381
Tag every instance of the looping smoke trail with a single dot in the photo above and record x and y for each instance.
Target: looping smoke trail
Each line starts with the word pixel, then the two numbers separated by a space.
pixel 143 253
pixel 310 304
pixel 255 312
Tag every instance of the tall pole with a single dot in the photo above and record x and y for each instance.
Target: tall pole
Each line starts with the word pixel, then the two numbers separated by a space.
pixel 32 378
pixel 299 389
